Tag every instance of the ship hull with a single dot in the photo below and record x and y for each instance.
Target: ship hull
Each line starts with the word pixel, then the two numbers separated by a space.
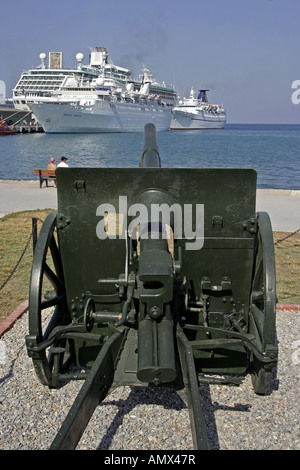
pixel 101 117
pixel 184 120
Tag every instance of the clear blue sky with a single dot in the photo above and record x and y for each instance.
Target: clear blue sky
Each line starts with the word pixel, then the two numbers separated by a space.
pixel 246 51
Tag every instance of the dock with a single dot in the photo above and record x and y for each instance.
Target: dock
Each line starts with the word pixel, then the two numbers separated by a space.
pixel 28 129
pixel 14 117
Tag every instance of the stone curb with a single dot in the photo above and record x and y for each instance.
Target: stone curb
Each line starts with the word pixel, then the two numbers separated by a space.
pixel 8 323
pixel 287 307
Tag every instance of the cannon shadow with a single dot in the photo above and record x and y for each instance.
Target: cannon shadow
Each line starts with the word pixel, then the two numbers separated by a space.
pixel 171 400
pixel 168 399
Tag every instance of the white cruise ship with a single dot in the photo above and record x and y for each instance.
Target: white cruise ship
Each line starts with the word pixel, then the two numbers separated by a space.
pixel 196 113
pixel 40 82
pixel 100 97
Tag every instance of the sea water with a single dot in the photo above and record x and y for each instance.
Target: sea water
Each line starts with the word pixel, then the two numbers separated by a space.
pixel 272 150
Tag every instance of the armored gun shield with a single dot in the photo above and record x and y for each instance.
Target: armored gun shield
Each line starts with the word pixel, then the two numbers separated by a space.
pixel 161 276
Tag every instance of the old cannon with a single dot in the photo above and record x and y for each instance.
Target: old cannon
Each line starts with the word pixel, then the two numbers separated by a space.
pixel 160 277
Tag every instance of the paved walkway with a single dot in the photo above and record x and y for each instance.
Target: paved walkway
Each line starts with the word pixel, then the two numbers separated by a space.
pixel 18 196
pixel 283 206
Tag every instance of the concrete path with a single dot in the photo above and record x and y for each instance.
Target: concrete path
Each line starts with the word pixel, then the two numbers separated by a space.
pixel 283 206
pixel 18 196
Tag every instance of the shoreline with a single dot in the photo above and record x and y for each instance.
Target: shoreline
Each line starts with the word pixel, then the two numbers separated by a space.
pixel 260 191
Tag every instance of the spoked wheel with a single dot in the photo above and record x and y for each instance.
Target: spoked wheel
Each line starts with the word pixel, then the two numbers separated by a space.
pixel 47 282
pixel 263 306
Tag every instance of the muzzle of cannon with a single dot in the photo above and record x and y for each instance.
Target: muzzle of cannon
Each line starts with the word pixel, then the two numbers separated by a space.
pixel 153 276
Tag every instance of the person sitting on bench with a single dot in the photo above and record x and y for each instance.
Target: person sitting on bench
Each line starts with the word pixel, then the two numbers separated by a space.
pixel 52 165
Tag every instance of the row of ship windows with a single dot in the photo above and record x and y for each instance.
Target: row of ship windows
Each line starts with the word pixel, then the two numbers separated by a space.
pixel 30 81
pixel 165 93
pixel 35 90
pixel 31 84
pixel 39 78
pixel 128 106
pixel 57 83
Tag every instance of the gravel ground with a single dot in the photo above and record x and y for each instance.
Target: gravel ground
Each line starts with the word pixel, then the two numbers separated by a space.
pixel 142 418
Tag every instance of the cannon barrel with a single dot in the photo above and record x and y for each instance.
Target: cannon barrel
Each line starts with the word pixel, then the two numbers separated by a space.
pixel 156 358
pixel 150 156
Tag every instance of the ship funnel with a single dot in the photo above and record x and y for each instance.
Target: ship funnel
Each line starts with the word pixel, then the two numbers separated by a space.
pixel 202 96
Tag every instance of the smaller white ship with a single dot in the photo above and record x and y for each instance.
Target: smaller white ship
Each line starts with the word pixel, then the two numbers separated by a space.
pixel 197 113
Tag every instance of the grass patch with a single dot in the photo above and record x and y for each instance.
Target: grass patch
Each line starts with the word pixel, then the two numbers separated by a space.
pixel 287 254
pixel 16 228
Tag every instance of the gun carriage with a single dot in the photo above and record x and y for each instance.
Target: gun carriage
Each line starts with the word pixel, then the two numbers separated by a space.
pixel 158 277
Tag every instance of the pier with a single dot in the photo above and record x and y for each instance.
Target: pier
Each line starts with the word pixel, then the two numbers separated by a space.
pixel 14 117
pixel 28 128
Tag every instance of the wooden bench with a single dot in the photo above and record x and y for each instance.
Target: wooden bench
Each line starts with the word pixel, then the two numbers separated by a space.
pixel 45 175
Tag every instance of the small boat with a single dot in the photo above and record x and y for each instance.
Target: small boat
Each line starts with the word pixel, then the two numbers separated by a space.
pixel 5 129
